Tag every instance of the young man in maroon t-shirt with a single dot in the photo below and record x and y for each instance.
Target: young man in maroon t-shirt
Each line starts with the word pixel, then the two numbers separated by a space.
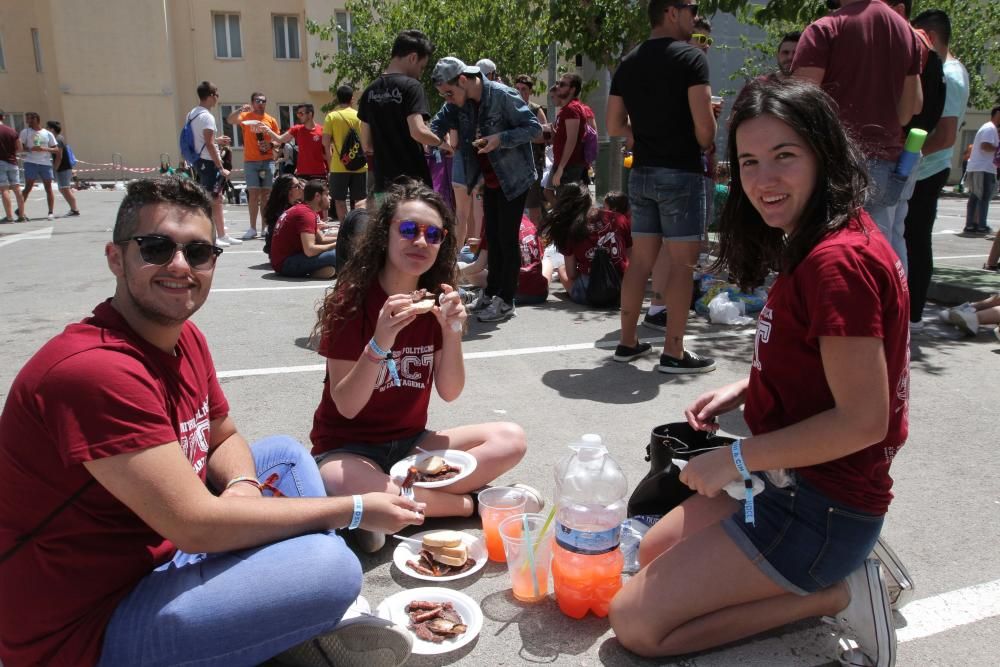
pixel 138 524
pixel 568 164
pixel 299 248
pixel 10 146
pixel 308 136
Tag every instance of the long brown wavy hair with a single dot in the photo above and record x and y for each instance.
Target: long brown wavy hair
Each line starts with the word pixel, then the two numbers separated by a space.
pixel 347 297
pixel 748 248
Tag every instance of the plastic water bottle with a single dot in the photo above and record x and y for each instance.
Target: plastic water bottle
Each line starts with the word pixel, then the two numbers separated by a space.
pixel 591 503
pixel 911 151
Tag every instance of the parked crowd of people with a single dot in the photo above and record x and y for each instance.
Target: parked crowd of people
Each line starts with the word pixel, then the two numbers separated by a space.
pixel 183 543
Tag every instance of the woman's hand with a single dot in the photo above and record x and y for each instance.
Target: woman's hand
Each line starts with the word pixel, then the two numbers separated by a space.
pixel 708 473
pixel 701 414
pixel 394 316
pixel 387 513
pixel 451 312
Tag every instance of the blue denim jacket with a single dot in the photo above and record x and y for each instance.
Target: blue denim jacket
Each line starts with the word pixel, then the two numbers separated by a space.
pixel 501 110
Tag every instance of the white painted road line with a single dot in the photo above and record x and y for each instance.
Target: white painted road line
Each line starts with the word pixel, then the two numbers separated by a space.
pixel 33 235
pixel 962 257
pixel 314 368
pixel 226 290
pixel 953 609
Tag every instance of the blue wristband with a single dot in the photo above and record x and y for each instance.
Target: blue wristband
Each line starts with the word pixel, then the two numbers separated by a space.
pixel 737 450
pixel 389 361
pixel 359 508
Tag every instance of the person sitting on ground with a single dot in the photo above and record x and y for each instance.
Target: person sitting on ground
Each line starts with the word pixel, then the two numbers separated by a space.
pixel 577 228
pixel 286 192
pixel 184 170
pixel 384 354
pixel 536 269
pixel 969 317
pixel 299 248
pixel 139 527
pixel 826 400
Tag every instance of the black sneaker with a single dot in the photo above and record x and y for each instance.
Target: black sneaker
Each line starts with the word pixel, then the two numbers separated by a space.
pixel 627 353
pixel 689 365
pixel 7 219
pixel 658 321
pixel 984 230
pixel 72 214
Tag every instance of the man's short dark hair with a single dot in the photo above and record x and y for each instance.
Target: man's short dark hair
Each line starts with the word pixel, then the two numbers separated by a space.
pixel 254 95
pixel 994 111
pixel 345 94
pixel 525 79
pixel 54 125
pixel 656 9
pixel 206 89
pixel 575 82
pixel 31 114
pixel 313 189
pixel 702 23
pixel 308 108
pixel 936 21
pixel 412 41
pixel 145 191
pixel 793 36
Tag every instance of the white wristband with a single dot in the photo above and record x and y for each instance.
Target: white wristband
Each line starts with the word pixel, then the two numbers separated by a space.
pixel 359 508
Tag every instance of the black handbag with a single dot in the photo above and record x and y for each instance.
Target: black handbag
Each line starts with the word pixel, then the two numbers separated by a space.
pixel 661 490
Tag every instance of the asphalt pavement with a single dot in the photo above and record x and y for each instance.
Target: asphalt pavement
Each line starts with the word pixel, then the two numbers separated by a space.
pixel 550 370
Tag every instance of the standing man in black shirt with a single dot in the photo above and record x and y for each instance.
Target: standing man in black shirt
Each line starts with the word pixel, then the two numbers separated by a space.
pixel 661 102
pixel 394 113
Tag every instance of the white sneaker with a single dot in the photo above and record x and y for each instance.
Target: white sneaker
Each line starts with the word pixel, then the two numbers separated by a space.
pixel 50 217
pixel 535 500
pixel 868 619
pixel 249 234
pixel 898 581
pixel 359 640
pixel 221 242
pixel 996 332
pixel 964 317
pixel 230 240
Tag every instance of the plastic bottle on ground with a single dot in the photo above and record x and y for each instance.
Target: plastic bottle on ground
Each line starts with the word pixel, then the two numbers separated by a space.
pixel 591 499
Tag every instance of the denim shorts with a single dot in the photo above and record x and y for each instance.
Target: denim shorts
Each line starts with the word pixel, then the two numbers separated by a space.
pixel 65 178
pixel 37 172
pixel 9 174
pixel 208 175
pixel 457 169
pixel 803 540
pixel 384 455
pixel 667 202
pixel 300 266
pixel 259 173
pixel 578 293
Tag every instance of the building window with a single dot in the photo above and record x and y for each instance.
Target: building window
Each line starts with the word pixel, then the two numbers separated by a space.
pixel 234 132
pixel 286 37
pixel 3 60
pixel 227 36
pixel 15 120
pixel 36 42
pixel 344 32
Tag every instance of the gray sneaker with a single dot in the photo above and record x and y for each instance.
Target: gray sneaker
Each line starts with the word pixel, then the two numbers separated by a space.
pixel 497 311
pixel 868 619
pixel 898 581
pixel 964 317
pixel 482 302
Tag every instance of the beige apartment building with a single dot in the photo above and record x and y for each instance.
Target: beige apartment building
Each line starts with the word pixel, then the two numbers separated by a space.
pixel 121 74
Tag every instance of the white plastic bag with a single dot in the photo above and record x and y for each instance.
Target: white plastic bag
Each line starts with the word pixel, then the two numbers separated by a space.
pixel 721 310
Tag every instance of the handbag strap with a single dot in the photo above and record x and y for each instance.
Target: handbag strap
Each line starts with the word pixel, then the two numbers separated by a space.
pixel 24 539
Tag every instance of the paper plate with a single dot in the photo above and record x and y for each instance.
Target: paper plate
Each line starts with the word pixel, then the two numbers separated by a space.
pixel 408 551
pixel 251 122
pixel 455 457
pixel 393 608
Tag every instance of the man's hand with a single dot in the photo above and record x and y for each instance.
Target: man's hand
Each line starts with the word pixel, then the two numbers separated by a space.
pixel 224 172
pixel 488 144
pixel 387 513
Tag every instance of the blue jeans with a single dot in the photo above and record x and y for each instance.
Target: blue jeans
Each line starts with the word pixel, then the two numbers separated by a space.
pixel 887 189
pixel 300 266
pixel 982 185
pixel 240 607
pixel 668 203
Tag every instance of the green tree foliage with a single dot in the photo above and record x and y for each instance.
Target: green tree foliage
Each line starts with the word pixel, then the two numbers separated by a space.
pixel 511 33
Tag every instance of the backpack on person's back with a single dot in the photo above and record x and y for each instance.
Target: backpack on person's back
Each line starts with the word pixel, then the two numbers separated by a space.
pixel 605 287
pixel 186 141
pixel 589 144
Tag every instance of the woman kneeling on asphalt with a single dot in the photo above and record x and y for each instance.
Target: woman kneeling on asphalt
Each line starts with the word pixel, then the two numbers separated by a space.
pixel 826 401
pixel 385 350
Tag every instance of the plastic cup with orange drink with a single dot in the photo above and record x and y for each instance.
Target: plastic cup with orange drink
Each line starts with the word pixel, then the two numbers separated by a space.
pixel 527 541
pixel 496 504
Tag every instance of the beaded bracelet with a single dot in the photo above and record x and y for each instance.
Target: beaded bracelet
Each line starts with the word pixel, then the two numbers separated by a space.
pixel 390 363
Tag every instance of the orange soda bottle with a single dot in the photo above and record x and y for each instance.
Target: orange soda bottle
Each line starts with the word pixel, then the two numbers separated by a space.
pixel 591 492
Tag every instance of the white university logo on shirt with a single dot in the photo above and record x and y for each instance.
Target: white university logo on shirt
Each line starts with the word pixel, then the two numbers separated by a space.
pixel 194 435
pixel 763 334
pixel 414 364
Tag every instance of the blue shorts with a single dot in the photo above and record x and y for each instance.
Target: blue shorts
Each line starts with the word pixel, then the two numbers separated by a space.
pixel 37 172
pixel 259 173
pixel 208 176
pixel 578 293
pixel 65 178
pixel 9 175
pixel 457 169
pixel 384 455
pixel 667 202
pixel 300 266
pixel 803 540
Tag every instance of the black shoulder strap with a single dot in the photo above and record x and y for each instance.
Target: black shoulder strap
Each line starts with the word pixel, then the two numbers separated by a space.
pixel 27 537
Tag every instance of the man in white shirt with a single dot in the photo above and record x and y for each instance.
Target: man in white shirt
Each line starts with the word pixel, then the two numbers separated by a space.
pixel 40 145
pixel 208 169
pixel 981 175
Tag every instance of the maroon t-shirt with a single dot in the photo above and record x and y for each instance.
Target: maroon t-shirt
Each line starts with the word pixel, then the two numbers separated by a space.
pixel 392 412
pixel 575 110
pixel 310 143
pixel 286 240
pixel 8 145
pixel 613 233
pixel 60 590
pixel 851 284
pixel 866 51
pixel 530 281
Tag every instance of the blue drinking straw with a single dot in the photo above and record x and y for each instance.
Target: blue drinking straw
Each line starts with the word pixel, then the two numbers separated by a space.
pixel 531 553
